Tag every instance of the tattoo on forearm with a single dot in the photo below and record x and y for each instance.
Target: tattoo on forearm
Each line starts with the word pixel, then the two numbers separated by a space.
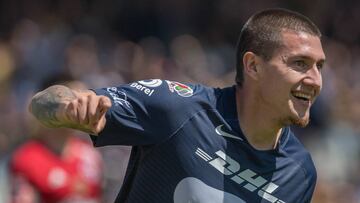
pixel 45 104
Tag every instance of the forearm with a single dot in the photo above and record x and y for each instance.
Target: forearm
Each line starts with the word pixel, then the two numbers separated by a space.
pixel 45 105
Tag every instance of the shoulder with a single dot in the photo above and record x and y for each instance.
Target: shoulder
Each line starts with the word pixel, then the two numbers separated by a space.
pixel 159 94
pixel 302 160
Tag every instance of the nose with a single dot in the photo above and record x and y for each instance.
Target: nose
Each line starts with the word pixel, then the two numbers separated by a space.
pixel 313 78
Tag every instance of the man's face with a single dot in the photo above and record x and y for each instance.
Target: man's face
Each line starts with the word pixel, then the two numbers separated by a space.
pixel 291 80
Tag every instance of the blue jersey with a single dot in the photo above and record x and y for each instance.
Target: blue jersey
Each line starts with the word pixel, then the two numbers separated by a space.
pixel 188 147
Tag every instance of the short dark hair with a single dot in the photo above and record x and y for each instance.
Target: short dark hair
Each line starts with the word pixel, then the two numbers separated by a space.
pixel 261 34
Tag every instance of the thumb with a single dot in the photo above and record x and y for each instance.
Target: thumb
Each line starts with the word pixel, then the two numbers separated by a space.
pixel 99 126
pixel 104 105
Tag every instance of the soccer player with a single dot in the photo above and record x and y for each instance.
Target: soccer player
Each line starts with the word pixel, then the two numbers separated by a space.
pixel 193 143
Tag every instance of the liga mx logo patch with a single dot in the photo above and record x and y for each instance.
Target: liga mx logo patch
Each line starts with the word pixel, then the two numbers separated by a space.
pixel 180 89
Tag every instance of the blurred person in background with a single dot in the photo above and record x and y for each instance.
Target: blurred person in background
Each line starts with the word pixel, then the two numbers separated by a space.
pixel 55 165
pixel 193 143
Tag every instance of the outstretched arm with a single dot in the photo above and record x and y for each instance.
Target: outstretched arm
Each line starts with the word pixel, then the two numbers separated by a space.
pixel 60 106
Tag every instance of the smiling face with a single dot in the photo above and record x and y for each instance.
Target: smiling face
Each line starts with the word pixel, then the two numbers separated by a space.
pixel 290 80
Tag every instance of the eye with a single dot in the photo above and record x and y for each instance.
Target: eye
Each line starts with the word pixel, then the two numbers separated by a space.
pixel 319 65
pixel 300 63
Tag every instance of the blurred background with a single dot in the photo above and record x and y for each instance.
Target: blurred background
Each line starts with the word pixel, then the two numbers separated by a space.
pixel 111 42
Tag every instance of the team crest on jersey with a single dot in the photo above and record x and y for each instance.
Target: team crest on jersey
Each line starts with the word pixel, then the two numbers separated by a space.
pixel 180 89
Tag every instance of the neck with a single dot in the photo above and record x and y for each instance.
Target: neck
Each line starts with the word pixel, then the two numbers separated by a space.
pixel 261 129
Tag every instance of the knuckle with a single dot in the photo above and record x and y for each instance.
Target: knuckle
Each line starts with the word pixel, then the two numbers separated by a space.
pixel 91 113
pixel 73 104
pixel 81 100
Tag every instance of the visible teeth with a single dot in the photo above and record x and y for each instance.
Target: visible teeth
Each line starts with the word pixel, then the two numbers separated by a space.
pixel 302 95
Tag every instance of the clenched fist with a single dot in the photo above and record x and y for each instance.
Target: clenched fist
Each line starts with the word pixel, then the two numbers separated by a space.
pixel 86 112
pixel 60 106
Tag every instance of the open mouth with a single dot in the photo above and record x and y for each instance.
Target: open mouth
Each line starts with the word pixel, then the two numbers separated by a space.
pixel 302 96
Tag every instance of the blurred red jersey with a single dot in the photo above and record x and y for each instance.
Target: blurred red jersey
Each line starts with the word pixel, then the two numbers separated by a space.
pixel 40 175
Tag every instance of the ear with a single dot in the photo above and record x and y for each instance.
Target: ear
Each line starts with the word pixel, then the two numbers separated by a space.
pixel 251 65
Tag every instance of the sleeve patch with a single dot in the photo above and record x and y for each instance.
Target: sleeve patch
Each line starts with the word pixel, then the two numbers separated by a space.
pixel 181 89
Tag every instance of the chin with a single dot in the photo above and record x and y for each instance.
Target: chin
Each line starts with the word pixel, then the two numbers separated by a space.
pixel 301 122
pixel 300 119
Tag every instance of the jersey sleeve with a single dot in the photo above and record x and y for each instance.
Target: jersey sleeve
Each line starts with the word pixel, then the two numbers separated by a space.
pixel 146 112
